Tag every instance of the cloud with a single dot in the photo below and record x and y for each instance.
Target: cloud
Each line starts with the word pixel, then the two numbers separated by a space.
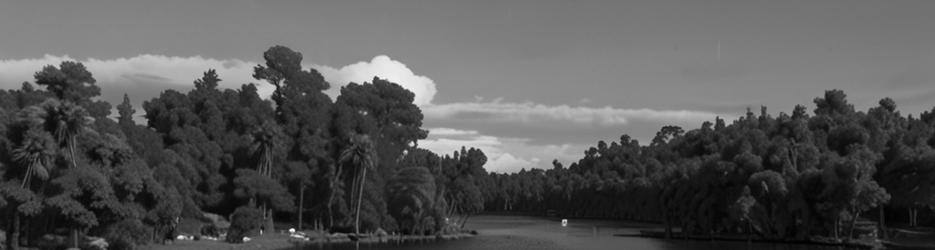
pixel 504 130
pixel 142 77
pixel 504 155
pixel 533 114
pixel 384 67
pixel 452 132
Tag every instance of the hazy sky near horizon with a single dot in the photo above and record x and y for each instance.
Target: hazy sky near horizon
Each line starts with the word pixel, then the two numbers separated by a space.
pixel 526 81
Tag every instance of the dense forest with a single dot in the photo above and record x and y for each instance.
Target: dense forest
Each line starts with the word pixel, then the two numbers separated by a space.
pixel 352 164
pixel 773 177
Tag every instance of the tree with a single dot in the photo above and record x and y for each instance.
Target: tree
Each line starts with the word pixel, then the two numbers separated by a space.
pixel 267 139
pixel 742 208
pixel 304 113
pixel 243 220
pixel 284 65
pixel 71 82
pixel 411 198
pixel 769 189
pixel 125 110
pixel 362 155
pixel 384 111
pixel 67 121
pixel 258 188
pixel 834 102
pixel 36 152
pixel 300 174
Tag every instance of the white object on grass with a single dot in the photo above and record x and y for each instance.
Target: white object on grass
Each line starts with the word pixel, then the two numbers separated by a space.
pixel 564 222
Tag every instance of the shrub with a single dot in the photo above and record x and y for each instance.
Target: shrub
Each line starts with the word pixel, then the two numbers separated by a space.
pixel 243 220
pixel 127 234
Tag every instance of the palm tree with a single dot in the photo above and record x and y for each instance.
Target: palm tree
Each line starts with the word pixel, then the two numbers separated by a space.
pixel 334 178
pixel 267 138
pixel 361 154
pixel 66 120
pixel 35 152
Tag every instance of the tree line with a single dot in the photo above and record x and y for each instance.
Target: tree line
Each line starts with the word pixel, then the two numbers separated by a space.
pixel 789 176
pixel 350 165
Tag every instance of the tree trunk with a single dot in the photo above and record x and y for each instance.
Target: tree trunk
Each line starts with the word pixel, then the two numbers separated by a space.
pixel 75 236
pixel 71 147
pixel 26 178
pixel 301 202
pixel 910 216
pixel 853 223
pixel 13 234
pixel 882 224
pixel 363 180
pixel 749 230
pixel 684 229
pixel 267 219
pixel 837 221
pixel 355 185
pixel 668 226
pixel 451 209
pixel 793 157
pixel 269 162
pixel 333 187
pixel 464 220
pixel 270 224
pixel 25 227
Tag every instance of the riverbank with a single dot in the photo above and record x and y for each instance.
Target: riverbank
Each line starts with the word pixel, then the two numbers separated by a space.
pixel 902 237
pixel 816 241
pixel 284 241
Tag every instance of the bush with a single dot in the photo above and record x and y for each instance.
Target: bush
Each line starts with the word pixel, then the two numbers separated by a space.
pixel 127 234
pixel 243 220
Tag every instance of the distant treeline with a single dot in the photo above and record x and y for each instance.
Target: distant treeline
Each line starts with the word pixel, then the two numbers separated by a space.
pixel 778 177
pixel 349 165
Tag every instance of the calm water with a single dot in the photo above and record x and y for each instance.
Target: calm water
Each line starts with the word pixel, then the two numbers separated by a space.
pixel 518 232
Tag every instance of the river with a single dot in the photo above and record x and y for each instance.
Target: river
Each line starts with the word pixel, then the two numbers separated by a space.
pixel 521 233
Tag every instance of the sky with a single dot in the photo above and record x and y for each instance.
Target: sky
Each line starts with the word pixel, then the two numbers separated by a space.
pixel 525 81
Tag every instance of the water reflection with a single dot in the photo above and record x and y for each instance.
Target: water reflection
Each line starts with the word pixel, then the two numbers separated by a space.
pixel 519 232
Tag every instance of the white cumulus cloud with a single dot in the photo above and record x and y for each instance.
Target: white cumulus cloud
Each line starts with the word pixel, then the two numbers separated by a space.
pixel 504 155
pixel 384 67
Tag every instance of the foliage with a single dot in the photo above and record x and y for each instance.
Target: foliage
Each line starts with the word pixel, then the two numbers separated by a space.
pixel 127 234
pixel 774 177
pixel 244 220
pixel 301 155
pixel 411 198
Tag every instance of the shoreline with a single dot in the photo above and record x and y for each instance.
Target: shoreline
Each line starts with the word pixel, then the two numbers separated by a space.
pixel 378 239
pixel 850 243
pixel 284 241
